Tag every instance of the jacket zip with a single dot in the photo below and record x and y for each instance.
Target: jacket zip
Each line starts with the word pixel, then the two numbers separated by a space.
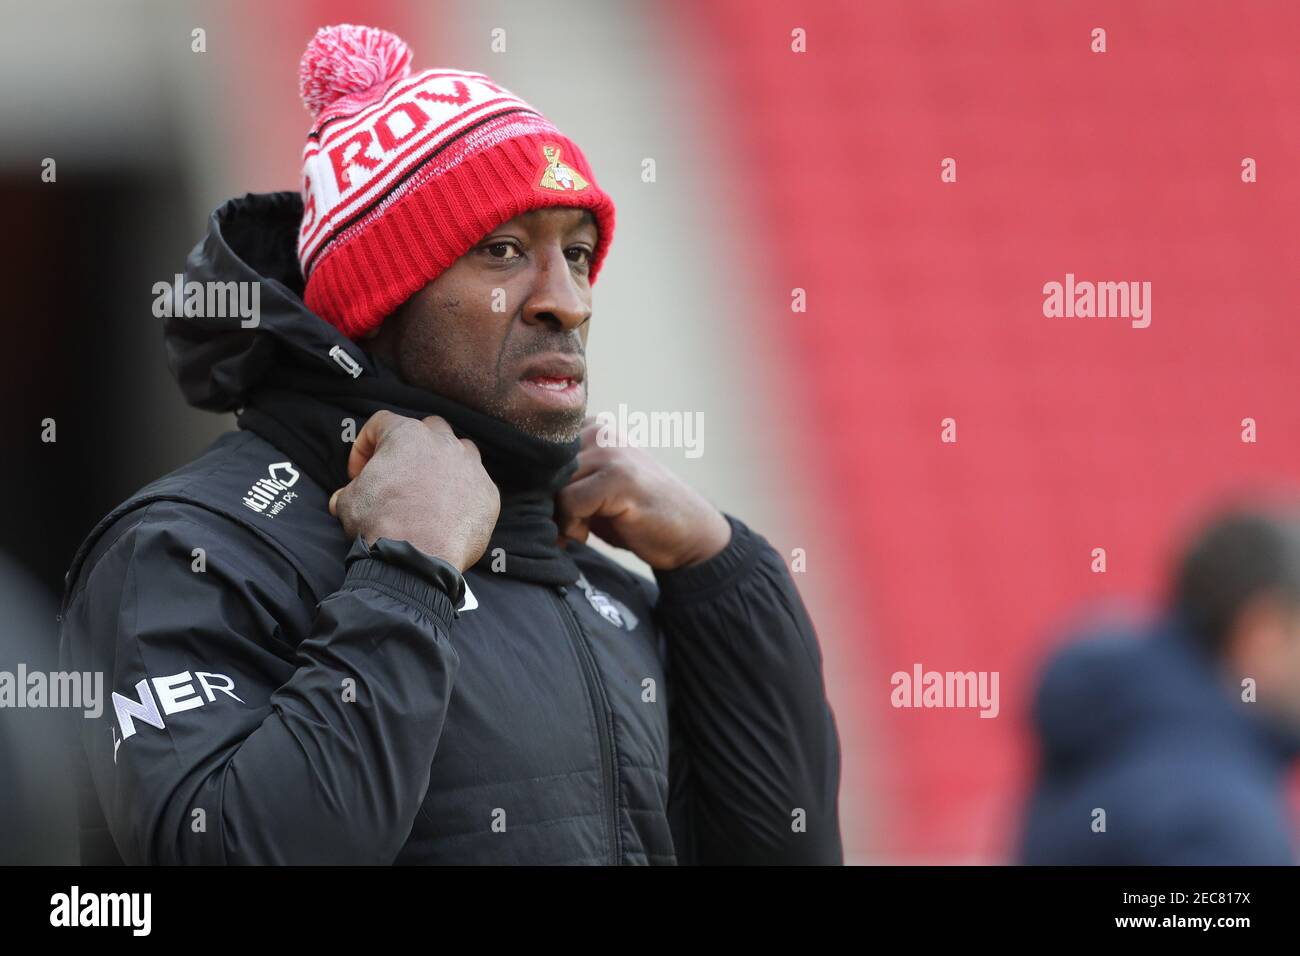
pixel 600 706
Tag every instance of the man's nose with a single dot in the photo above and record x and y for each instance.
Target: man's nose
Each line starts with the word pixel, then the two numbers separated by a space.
pixel 556 298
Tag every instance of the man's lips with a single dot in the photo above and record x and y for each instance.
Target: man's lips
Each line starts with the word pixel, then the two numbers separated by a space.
pixel 570 368
pixel 555 380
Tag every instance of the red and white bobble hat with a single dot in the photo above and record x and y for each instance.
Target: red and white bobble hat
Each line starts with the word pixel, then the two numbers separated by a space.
pixel 404 173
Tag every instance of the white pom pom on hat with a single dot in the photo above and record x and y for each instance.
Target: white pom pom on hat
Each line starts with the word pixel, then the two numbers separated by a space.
pixel 345 59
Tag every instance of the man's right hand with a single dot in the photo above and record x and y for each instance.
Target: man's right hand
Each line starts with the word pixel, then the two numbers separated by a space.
pixel 414 480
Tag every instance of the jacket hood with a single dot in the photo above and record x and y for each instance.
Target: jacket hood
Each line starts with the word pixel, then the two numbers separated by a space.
pixel 1117 686
pixel 218 363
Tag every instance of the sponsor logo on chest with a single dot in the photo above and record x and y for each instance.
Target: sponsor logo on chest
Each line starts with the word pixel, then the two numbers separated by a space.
pixel 270 495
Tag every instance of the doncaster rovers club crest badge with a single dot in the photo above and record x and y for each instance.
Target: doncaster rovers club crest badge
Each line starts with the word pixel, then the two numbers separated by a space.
pixel 559 175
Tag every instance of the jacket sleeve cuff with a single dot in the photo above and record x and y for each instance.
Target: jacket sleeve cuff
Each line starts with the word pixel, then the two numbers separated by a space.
pixel 704 580
pixel 400 570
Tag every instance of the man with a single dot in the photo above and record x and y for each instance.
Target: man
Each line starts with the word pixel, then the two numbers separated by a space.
pixel 1174 748
pixel 366 627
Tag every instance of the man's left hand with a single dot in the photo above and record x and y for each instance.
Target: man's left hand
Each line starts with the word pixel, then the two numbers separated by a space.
pixel 632 501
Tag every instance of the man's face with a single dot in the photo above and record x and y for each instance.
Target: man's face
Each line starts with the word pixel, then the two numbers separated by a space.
pixel 1266 646
pixel 504 330
pixel 1288 666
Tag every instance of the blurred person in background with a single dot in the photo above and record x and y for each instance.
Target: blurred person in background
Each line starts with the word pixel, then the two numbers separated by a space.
pixel 367 627
pixel 37 808
pixel 1173 746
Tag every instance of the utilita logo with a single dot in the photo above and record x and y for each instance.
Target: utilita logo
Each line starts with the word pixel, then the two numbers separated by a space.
pixel 269 496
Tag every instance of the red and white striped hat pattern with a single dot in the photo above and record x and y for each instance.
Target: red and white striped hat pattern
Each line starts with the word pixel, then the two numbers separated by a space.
pixel 403 174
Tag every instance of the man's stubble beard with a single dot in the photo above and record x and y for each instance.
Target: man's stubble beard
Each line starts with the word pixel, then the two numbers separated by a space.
pixel 491 397
pixel 557 427
pixel 471 385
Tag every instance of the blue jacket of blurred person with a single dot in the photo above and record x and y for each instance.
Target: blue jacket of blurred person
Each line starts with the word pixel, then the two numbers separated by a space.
pixel 1171 743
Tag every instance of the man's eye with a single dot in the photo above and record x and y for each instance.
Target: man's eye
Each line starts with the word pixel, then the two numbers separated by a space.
pixel 502 250
pixel 583 253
